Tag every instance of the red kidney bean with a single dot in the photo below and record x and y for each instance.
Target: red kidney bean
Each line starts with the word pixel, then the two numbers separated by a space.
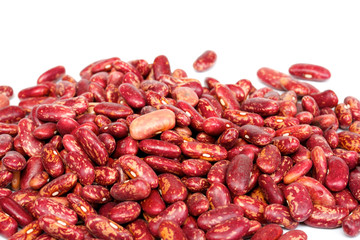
pixel 350 157
pixel 298 170
pixel 116 129
pixel 59 185
pixel 132 95
pixel 139 230
pixel 45 131
pixel 13 161
pixel 296 86
pixel 218 195
pixel 113 110
pixel 153 204
pixel 95 194
pixel 150 124
pixel 354 105
pixel 268 232
pixel 11 114
pixel 284 167
pixel 125 146
pixel 161 66
pixel 164 165
pixel 39 180
pixel 309 104
pixel 226 97
pixel 337 176
pixel 201 137
pixel 13 209
pixel 6 144
pixel 243 117
pixel 255 135
pixel 6 90
pixel 24 196
pixel 104 228
pixel 172 137
pixel 354 181
pixel 211 218
pixel 253 208
pixel 294 234
pixel 262 106
pixel 345 199
pixel 4 192
pixel 326 216
pixel 92 145
pixel 176 212
pixel 135 167
pixel 100 78
pixel 299 201
pixel 53 112
pixel 355 127
pixel 159 148
pixel 5 178
pixel 287 108
pixel 205 61
pixel 194 85
pixel 301 131
pixel 7 128
pixel 344 116
pixel 271 191
pixel 351 224
pixel 238 174
pixel 196 184
pixel 331 137
pixel 106 176
pixel 269 159
pixel 194 233
pixel 29 143
pixel 4 101
pixel 349 141
pixel 171 188
pixel 309 72
pixel 46 206
pixel 286 144
pixel 195 167
pixel 278 122
pixel 185 94
pixel 40 90
pixel 156 86
pixel 271 77
pixel 59 228
pixel 326 98
pixel 52 74
pixel 125 212
pixel 131 190
pixel 320 164
pixel 8 225
pixel 170 229
pixel 233 228
pixel 217 172
pixel 279 214
pixel 318 193
pixel 318 140
pixel 196 120
pixel 80 206
pixel 52 161
pixel 206 151
pixel 197 204
pixel 30 231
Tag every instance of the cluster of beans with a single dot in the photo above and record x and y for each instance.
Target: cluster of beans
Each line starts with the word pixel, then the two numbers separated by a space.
pixel 134 150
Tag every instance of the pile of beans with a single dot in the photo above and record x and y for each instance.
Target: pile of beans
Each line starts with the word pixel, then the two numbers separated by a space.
pixel 134 150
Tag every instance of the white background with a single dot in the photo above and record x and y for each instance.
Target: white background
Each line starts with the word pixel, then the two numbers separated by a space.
pixel 246 35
